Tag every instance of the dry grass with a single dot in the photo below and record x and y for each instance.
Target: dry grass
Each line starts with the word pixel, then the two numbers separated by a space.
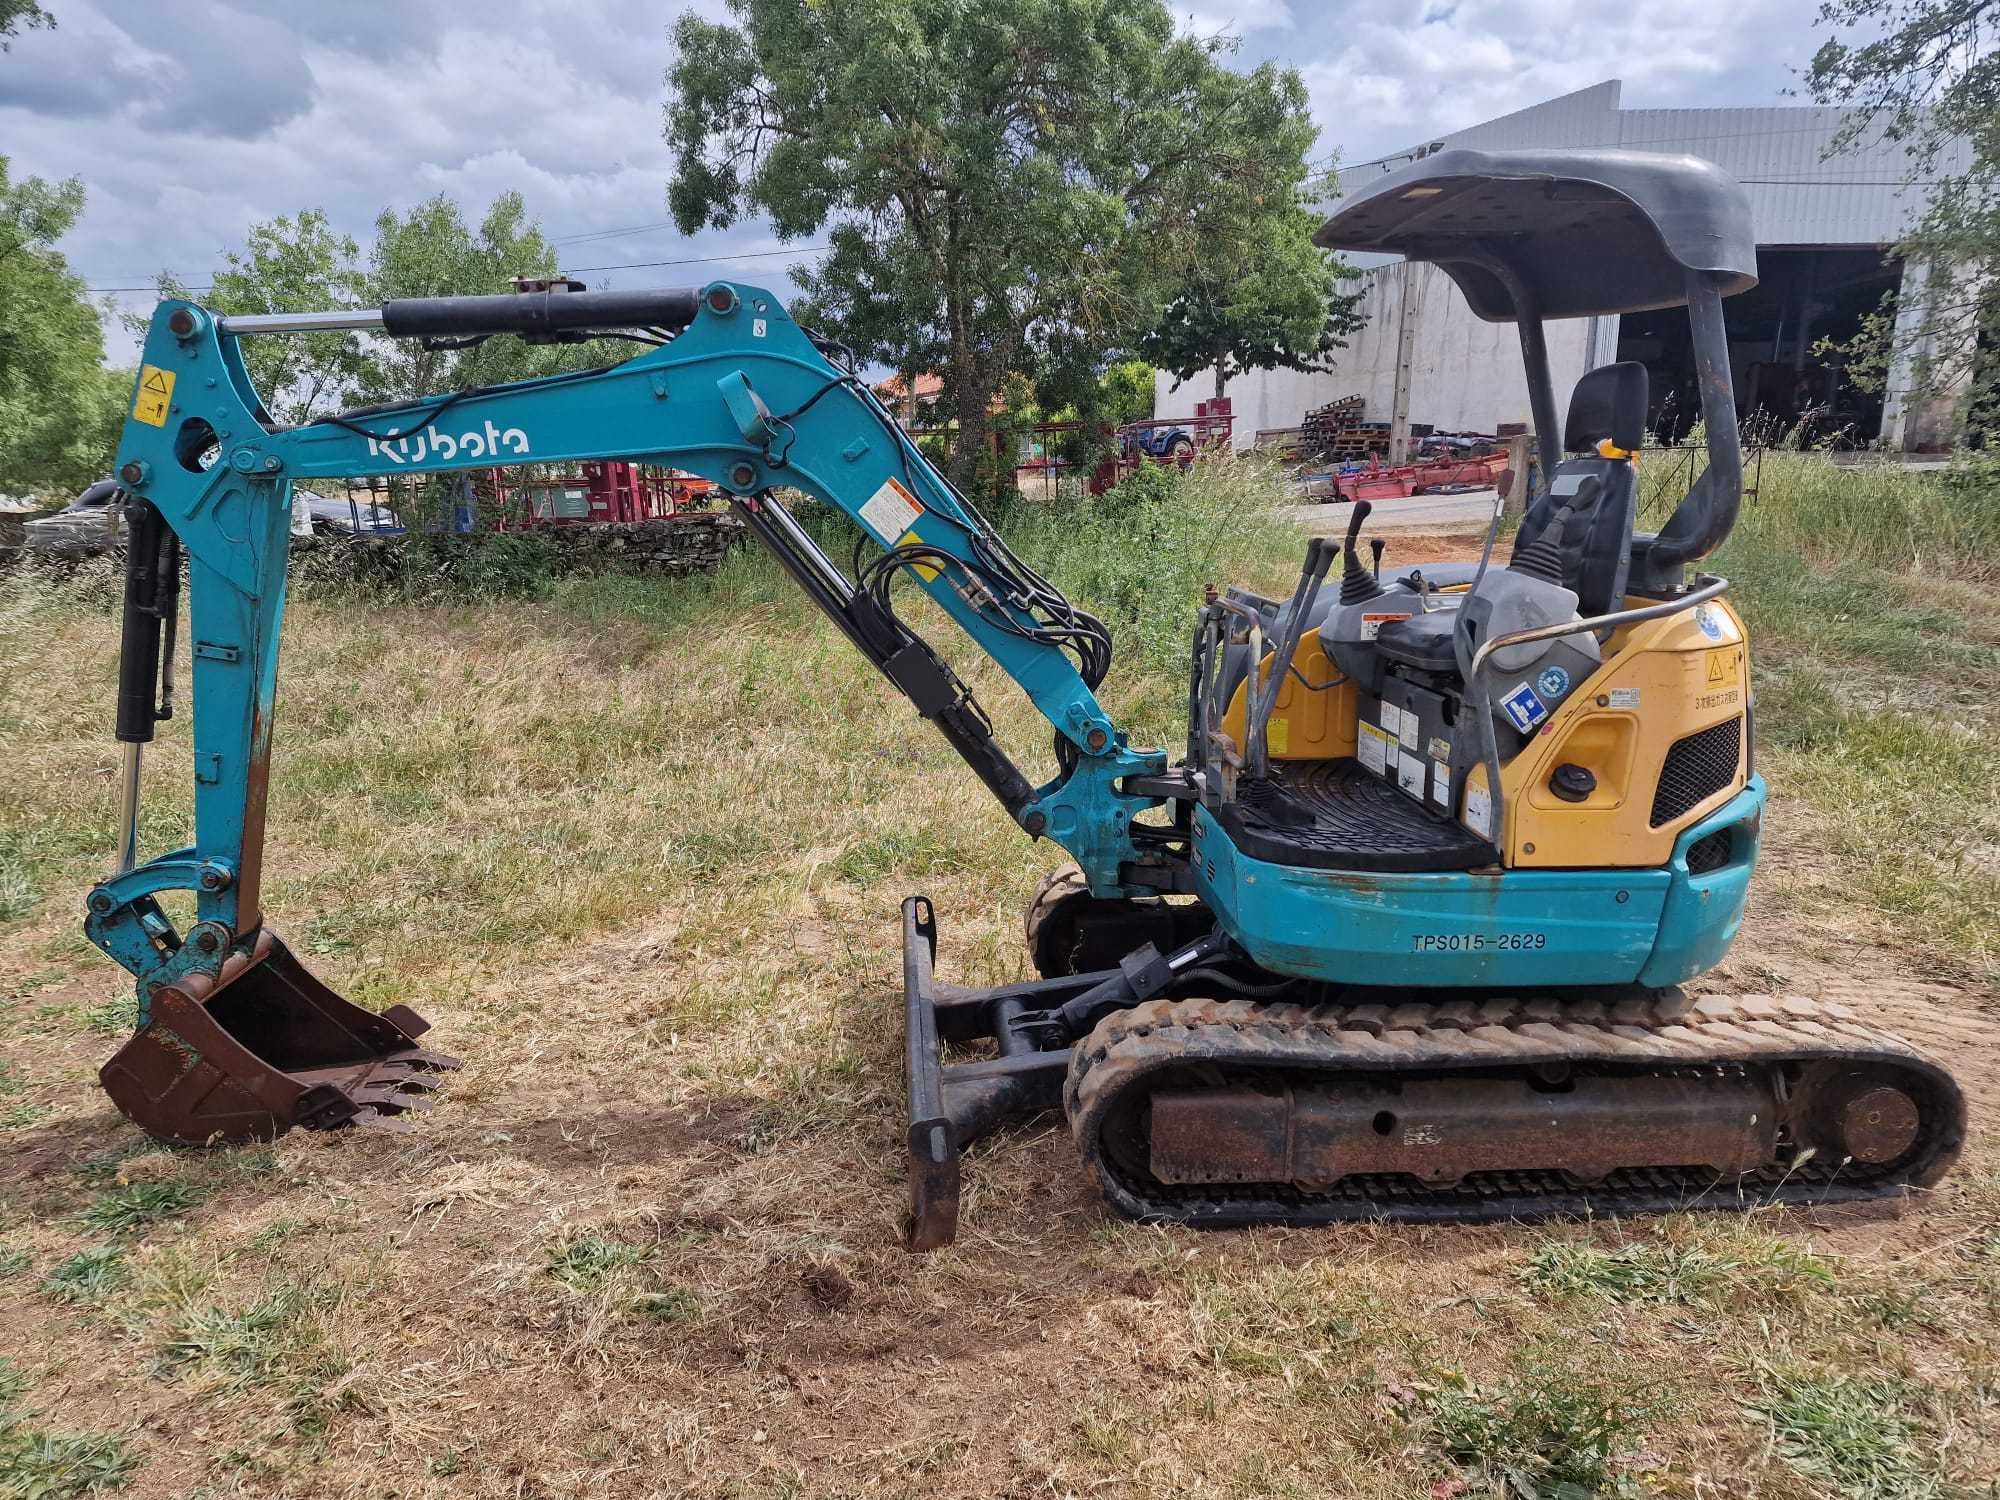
pixel 636 850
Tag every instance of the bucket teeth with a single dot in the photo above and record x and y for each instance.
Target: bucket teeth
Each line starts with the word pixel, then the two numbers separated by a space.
pixel 392 1124
pixel 389 1092
pixel 424 1057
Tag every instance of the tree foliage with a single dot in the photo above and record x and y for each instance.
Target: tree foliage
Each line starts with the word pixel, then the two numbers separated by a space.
pixel 1006 186
pixel 291 264
pixel 298 263
pixel 1273 303
pixel 58 406
pixel 1926 73
pixel 21 15
pixel 432 252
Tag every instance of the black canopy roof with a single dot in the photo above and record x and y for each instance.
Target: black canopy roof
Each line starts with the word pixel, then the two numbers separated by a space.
pixel 1587 232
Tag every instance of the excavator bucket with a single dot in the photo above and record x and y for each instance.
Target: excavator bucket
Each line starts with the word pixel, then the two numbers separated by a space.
pixel 264 1046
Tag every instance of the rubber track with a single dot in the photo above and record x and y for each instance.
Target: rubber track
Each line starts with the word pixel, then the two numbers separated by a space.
pixel 1663 1032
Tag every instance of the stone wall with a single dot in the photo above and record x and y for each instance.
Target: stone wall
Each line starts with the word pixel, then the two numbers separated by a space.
pixel 695 542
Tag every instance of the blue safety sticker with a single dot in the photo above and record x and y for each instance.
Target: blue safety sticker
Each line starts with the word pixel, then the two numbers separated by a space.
pixel 1710 626
pixel 1524 708
pixel 1553 682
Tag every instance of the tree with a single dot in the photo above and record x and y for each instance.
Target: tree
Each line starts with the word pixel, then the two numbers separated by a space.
pixel 1014 185
pixel 291 264
pixel 1275 303
pixel 16 15
pixel 298 263
pixel 1928 75
pixel 432 252
pixel 58 407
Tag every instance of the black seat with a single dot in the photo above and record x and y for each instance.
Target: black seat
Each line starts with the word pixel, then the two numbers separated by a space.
pixel 1423 641
pixel 1578 532
pixel 1584 514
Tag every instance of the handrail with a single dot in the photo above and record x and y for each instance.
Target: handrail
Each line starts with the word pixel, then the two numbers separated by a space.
pixel 1707 586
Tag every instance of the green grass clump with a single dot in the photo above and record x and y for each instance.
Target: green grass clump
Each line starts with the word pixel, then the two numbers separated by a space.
pixel 1879 514
pixel 241 1348
pixel 1857 1435
pixel 590 1261
pixel 37 1464
pixel 674 1304
pixel 1546 1433
pixel 13 1261
pixel 1661 1272
pixel 122 1210
pixel 1139 555
pixel 89 1275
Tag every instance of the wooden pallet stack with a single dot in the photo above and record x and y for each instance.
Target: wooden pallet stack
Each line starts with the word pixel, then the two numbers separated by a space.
pixel 1335 433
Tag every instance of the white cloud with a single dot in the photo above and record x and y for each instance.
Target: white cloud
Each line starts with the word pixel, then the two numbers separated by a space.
pixel 1400 72
pixel 1237 18
pixel 190 120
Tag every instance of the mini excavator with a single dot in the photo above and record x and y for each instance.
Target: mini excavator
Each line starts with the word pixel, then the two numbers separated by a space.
pixel 1399 936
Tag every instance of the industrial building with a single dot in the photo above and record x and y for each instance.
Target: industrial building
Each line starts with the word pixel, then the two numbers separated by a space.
pixel 1826 223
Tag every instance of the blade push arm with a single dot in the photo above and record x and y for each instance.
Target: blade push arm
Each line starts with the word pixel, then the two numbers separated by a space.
pixel 739 395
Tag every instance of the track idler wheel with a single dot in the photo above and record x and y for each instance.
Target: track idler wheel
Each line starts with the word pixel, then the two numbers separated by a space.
pixel 264 1046
pixel 1070 931
pixel 1860 1114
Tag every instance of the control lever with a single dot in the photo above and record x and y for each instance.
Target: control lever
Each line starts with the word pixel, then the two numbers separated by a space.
pixel 1319 558
pixel 1375 545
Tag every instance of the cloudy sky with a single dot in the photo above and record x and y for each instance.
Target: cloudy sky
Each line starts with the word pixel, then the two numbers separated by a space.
pixel 190 120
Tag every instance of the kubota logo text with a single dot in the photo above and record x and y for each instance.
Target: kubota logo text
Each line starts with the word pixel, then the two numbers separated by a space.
pixel 442 447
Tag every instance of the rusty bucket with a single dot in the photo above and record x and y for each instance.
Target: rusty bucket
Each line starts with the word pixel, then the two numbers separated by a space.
pixel 262 1047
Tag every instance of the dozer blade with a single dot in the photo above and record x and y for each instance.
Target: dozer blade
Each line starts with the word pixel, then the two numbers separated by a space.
pixel 264 1047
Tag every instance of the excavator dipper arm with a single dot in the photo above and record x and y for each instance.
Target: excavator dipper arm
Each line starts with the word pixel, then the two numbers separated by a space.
pixel 235 1039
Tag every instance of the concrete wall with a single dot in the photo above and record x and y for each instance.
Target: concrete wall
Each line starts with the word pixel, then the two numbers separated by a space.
pixel 1465 374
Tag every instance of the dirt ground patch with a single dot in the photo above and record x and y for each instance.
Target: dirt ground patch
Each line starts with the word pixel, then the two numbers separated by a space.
pixel 764 1333
pixel 648 1243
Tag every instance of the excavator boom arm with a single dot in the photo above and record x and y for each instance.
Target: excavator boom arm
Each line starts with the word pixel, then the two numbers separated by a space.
pixel 735 392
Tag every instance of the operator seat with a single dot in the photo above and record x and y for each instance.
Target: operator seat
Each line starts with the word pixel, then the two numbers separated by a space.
pixel 1600 493
pixel 1577 532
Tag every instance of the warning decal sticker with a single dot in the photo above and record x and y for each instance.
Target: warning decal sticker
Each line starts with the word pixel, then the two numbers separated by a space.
pixel 1371 747
pixel 156 394
pixel 891 511
pixel 1410 773
pixel 1524 708
pixel 1371 624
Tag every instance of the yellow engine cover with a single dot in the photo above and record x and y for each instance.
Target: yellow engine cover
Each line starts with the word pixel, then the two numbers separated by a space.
pixel 1662 681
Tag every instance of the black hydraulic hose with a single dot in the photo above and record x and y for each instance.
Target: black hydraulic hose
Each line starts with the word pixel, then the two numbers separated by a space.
pixel 139 640
pixel 170 615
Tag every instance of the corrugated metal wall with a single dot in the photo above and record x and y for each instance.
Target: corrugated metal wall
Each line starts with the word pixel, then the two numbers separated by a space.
pixel 1467 373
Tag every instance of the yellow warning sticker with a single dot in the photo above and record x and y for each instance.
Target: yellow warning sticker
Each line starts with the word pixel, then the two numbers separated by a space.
pixel 924 571
pixel 156 394
pixel 1719 666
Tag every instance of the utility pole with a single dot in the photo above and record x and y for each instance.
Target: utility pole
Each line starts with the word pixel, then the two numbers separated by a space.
pixel 1399 406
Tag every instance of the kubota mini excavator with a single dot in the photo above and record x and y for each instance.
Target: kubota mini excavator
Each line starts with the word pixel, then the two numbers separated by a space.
pixel 1399 934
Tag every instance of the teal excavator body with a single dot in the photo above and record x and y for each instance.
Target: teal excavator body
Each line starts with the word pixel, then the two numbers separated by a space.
pixel 1272 988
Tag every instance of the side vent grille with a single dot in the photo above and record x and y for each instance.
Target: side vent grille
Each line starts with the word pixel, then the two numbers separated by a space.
pixel 1697 767
pixel 1710 853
